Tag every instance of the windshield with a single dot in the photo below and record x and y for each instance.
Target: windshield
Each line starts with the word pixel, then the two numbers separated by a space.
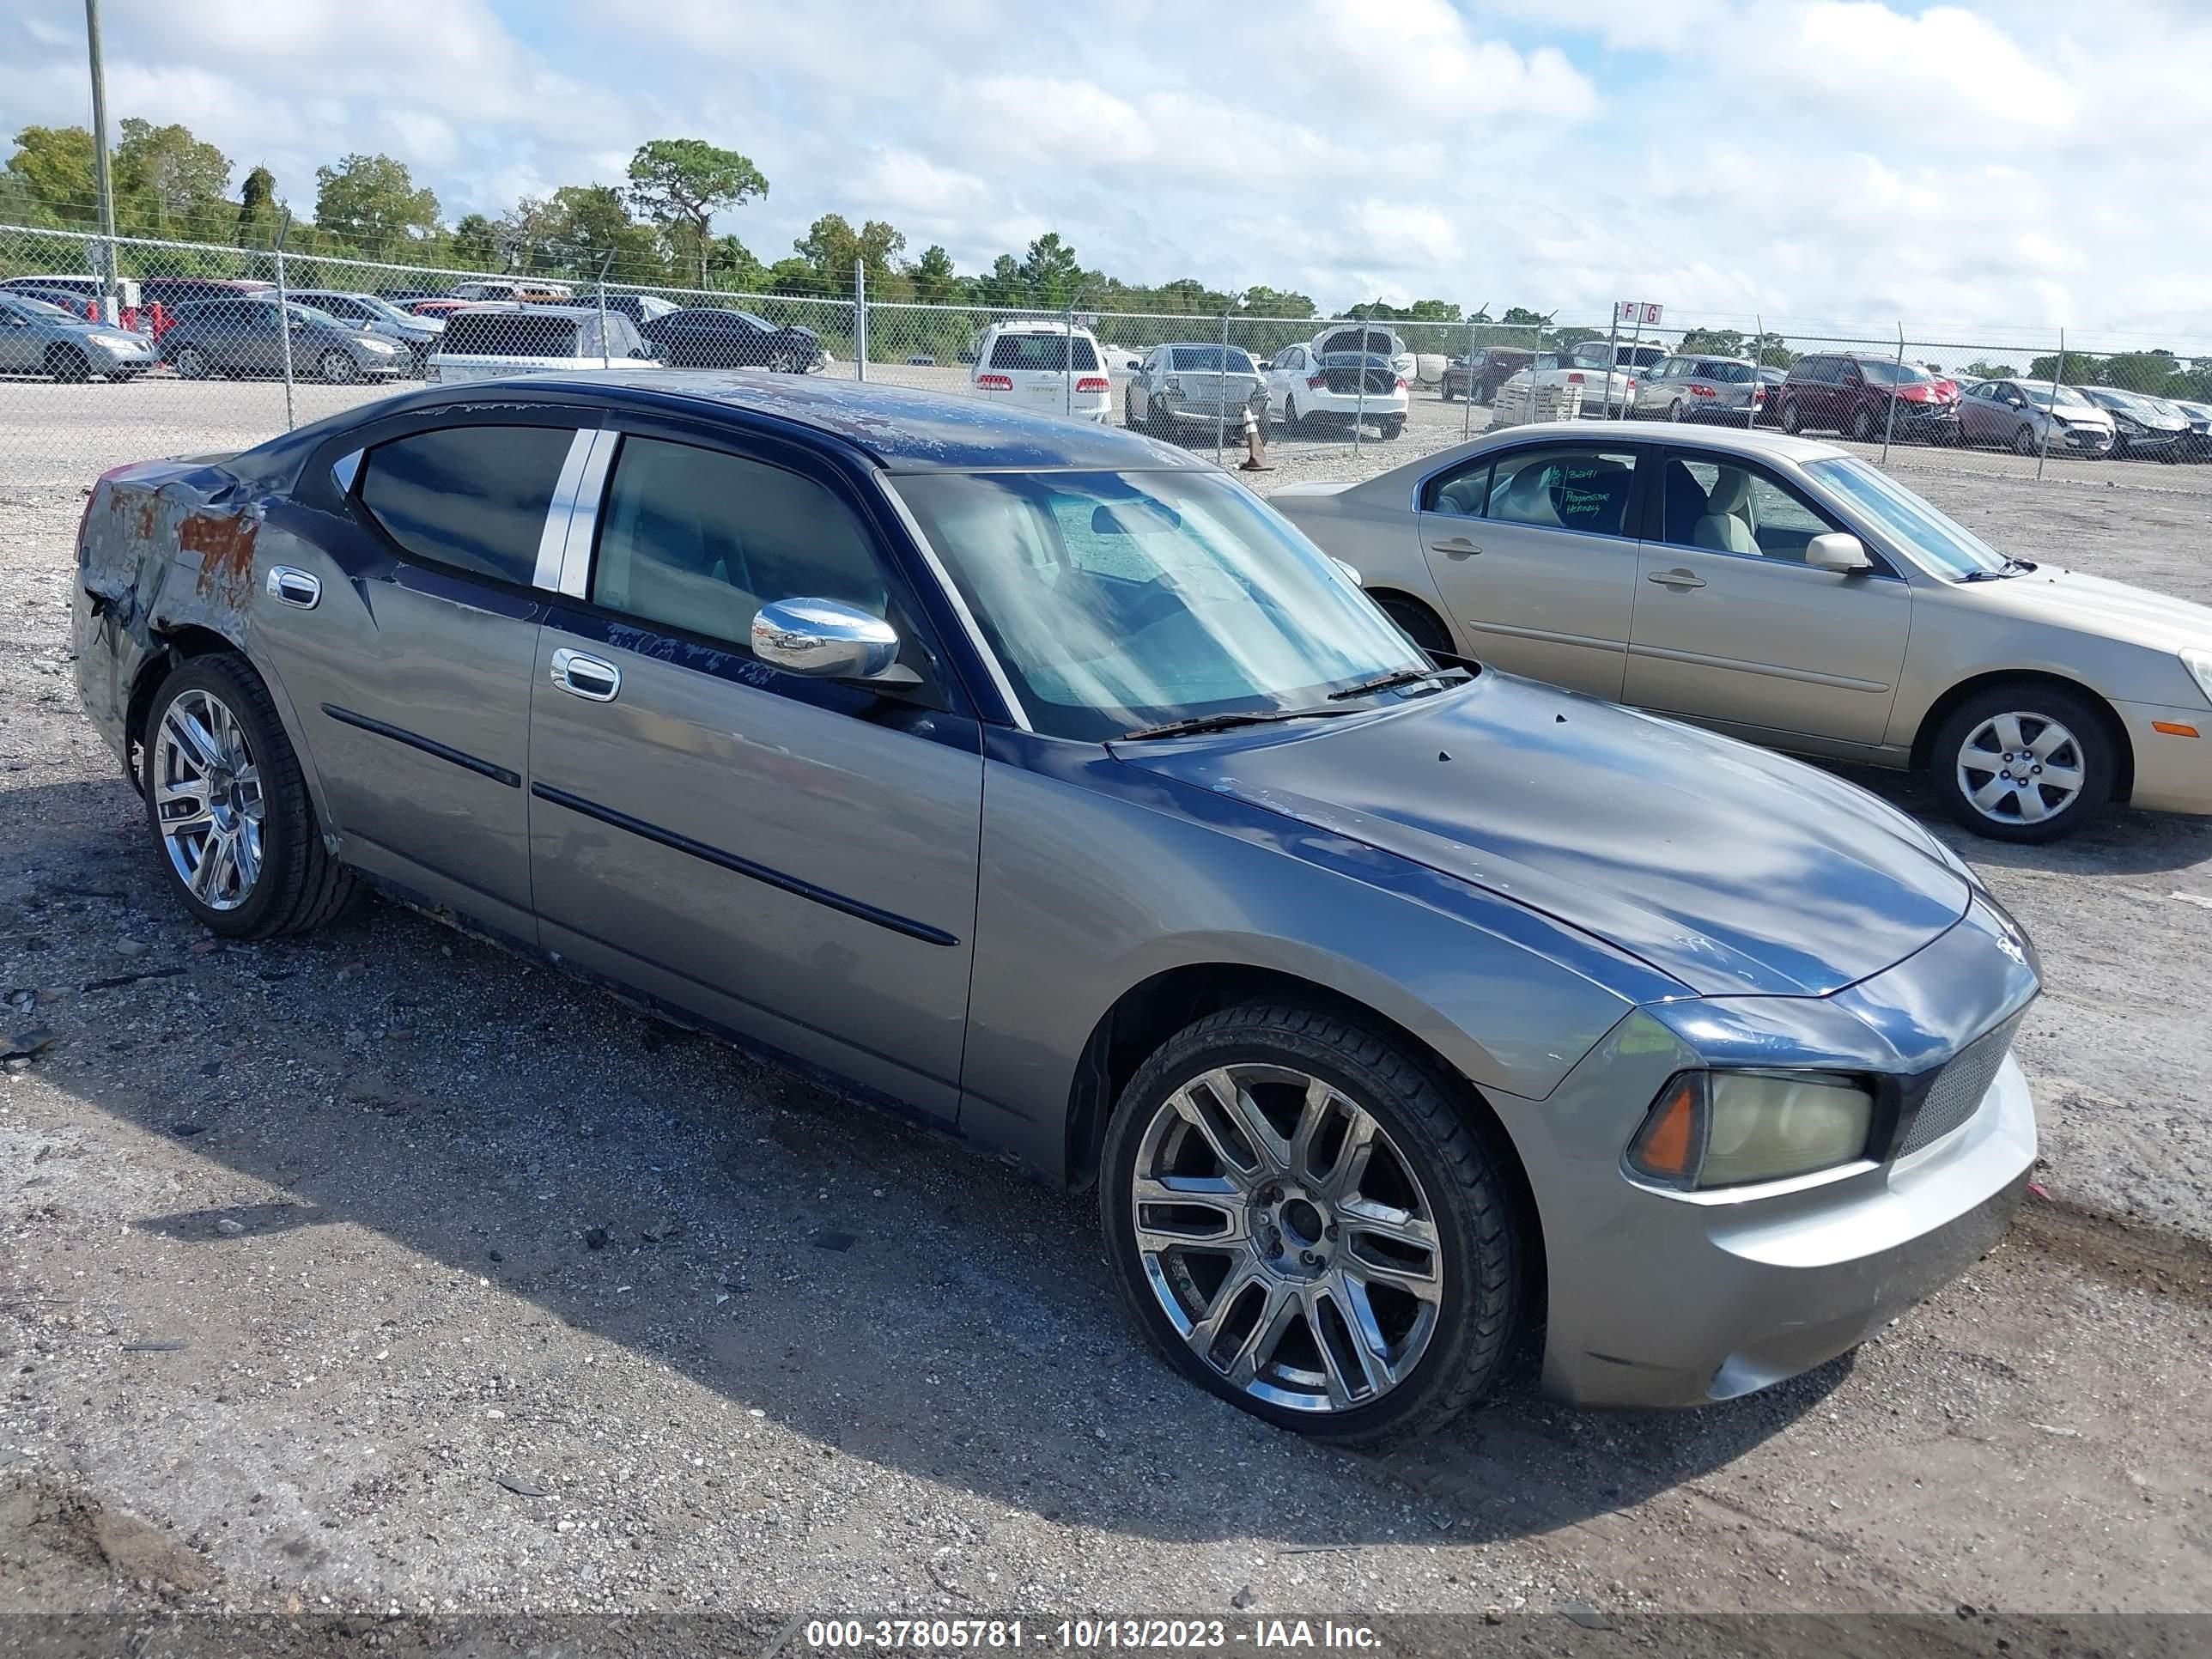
pixel 381 307
pixel 1893 373
pixel 41 310
pixel 1117 601
pixel 1946 546
pixel 2040 396
pixel 756 320
pixel 309 315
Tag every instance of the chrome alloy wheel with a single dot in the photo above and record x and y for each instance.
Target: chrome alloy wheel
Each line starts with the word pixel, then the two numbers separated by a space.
pixel 1286 1238
pixel 2020 768
pixel 207 799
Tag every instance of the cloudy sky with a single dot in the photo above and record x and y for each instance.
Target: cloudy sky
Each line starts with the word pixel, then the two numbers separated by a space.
pixel 2004 166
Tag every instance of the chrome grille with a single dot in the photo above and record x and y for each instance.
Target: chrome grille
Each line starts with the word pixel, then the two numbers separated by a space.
pixel 1957 1091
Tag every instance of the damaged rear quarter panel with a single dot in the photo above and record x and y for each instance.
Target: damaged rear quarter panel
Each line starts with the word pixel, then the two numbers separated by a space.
pixel 169 546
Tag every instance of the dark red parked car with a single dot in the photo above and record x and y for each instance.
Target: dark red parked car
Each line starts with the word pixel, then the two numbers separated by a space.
pixel 1850 393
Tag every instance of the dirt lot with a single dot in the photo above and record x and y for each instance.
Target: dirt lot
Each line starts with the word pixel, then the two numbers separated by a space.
pixel 381 1271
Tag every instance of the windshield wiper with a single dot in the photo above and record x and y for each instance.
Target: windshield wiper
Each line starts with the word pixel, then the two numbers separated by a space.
pixel 1223 722
pixel 1396 677
pixel 2012 568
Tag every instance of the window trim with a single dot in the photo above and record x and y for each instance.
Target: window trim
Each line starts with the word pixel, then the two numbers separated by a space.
pixel 1656 521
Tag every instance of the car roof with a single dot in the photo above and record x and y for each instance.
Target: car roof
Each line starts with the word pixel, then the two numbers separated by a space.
pixel 1035 326
pixel 898 428
pixel 1392 487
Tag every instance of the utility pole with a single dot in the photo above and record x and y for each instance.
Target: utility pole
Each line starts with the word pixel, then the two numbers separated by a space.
pixel 110 310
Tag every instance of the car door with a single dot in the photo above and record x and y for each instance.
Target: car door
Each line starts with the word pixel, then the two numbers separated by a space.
pixel 401 616
pixel 1733 627
pixel 792 859
pixel 1533 551
pixel 21 345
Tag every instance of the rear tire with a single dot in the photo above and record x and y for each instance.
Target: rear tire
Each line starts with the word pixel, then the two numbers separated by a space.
pixel 1422 625
pixel 1313 1247
pixel 1862 425
pixel 2042 761
pixel 1449 393
pixel 1289 413
pixel 1792 422
pixel 191 362
pixel 1392 428
pixel 1674 411
pixel 246 790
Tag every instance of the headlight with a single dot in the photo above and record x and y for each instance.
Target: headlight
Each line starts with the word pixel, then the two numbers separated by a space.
pixel 118 341
pixel 2127 424
pixel 381 345
pixel 1731 1128
pixel 2199 665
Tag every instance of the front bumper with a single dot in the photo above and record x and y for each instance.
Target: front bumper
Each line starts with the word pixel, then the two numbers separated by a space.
pixel 116 359
pixel 2173 772
pixel 1657 1298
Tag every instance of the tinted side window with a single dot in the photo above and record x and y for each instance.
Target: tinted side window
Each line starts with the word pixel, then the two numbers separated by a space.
pixel 473 497
pixel 1575 488
pixel 701 540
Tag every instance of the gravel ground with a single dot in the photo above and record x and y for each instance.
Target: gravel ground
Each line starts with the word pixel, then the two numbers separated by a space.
pixel 384 1270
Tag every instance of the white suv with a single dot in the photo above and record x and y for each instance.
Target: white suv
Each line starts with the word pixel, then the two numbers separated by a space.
pixel 1045 367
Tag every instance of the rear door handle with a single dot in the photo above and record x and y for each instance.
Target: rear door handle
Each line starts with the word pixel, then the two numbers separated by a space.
pixel 1457 547
pixel 583 677
pixel 294 587
pixel 1675 579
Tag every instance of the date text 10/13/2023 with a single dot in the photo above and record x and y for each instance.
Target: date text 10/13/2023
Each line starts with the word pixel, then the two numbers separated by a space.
pixel 1086 1635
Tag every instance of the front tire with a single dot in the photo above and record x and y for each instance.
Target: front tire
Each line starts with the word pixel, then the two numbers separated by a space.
pixel 2023 441
pixel 2024 761
pixel 67 364
pixel 1792 421
pixel 1303 1221
pixel 228 809
pixel 337 367
pixel 1422 625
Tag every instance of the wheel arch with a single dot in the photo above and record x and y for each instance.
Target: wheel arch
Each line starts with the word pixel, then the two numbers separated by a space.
pixel 1153 1010
pixel 1931 722
pixel 172 646
pixel 1387 594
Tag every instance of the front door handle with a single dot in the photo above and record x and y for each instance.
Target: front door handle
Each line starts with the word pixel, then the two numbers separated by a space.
pixel 1458 547
pixel 1675 579
pixel 294 587
pixel 583 677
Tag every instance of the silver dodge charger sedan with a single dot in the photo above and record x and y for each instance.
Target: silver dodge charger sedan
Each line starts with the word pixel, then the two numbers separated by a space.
pixel 1035 780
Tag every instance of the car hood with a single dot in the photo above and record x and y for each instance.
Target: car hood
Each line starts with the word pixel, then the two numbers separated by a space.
pixel 1732 870
pixel 2099 605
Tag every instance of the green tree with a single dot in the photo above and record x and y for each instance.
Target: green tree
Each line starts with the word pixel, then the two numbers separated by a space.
pixel 681 183
pixel 475 243
pixel 371 203
pixel 733 267
pixel 53 168
pixel 1719 342
pixel 585 225
pixel 935 282
pixel 2080 368
pixel 1277 303
pixel 171 180
pixel 1983 371
pixel 1770 351
pixel 2141 371
pixel 831 247
pixel 257 209
pixel 1050 272
pixel 1522 317
pixel 1004 285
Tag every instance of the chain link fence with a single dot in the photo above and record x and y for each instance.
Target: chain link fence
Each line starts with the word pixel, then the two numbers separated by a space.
pixel 113 351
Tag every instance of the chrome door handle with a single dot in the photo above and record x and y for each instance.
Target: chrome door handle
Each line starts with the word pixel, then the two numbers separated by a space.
pixel 294 587
pixel 583 677
pixel 1675 579
pixel 1458 547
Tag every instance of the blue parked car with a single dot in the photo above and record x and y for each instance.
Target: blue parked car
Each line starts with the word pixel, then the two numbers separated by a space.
pixel 1041 784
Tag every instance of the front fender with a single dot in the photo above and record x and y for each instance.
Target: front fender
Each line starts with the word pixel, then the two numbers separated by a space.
pixel 1097 877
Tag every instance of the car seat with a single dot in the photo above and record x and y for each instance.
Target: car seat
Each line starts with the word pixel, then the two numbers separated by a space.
pixel 1527 497
pixel 1728 522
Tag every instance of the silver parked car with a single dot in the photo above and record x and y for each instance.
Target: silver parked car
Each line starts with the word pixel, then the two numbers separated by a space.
pixel 1189 386
pixel 374 314
pixel 2023 415
pixel 2145 428
pixel 1789 593
pixel 1724 389
pixel 38 339
pixel 1037 779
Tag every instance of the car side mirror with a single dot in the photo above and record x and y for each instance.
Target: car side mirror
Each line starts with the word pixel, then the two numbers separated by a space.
pixel 1351 570
pixel 824 640
pixel 1844 554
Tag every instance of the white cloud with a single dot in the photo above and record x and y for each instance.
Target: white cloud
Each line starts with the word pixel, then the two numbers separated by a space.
pixel 2019 162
